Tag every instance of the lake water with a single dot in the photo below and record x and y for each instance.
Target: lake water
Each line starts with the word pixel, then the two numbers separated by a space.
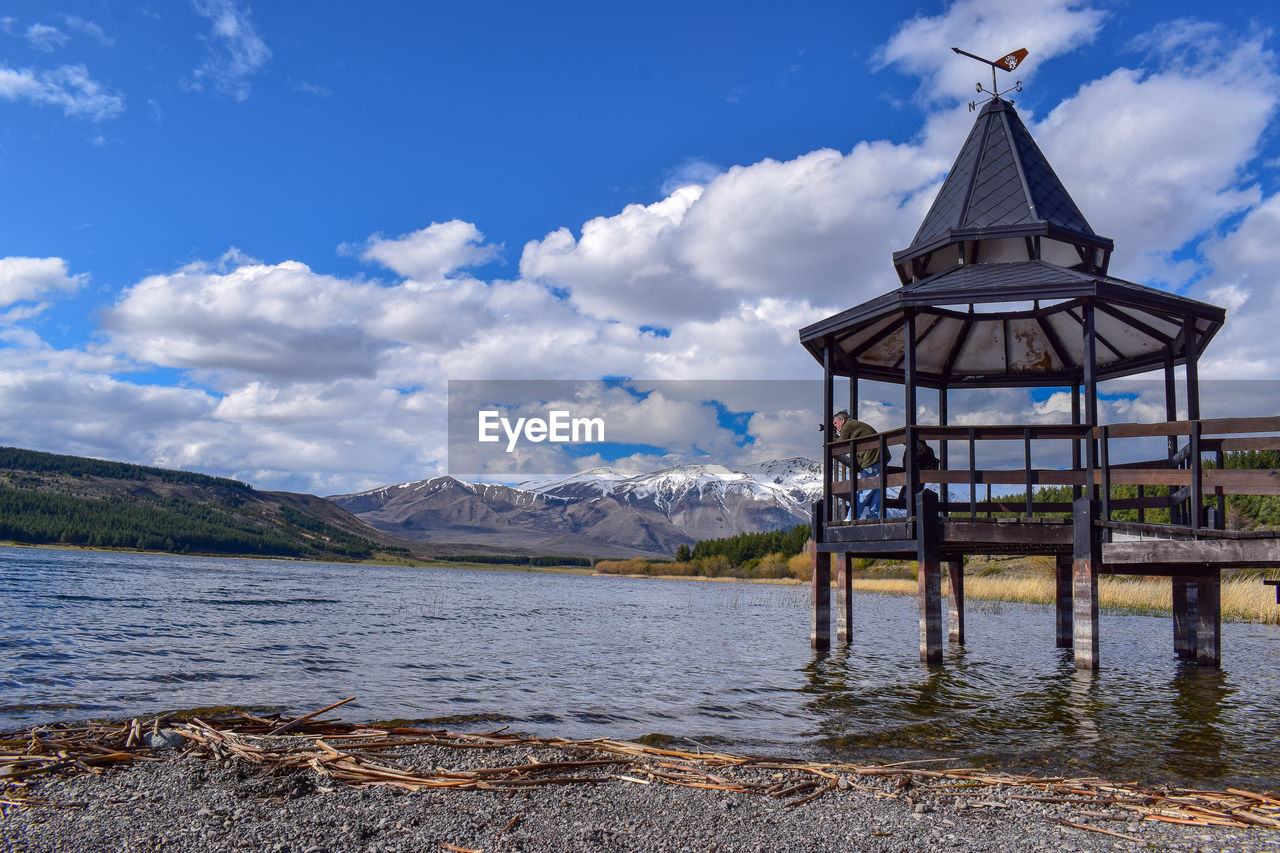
pixel 726 665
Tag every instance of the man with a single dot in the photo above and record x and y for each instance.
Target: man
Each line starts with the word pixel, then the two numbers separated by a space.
pixel 868 502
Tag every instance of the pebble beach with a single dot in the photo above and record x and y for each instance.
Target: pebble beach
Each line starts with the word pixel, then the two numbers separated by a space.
pixel 196 797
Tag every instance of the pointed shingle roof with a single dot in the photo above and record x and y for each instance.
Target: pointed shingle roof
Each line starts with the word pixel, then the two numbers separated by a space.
pixel 1001 185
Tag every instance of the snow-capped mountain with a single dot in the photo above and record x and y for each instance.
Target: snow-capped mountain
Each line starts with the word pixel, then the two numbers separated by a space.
pixel 599 511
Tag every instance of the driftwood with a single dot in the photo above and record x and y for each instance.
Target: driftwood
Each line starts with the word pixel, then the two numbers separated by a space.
pixel 364 756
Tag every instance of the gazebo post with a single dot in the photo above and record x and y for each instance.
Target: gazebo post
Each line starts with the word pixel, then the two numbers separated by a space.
pixel 929 575
pixel 820 586
pixel 828 410
pixel 955 600
pixel 1193 374
pixel 844 598
pixel 909 380
pixel 1208 644
pixel 1171 414
pixel 1064 601
pixel 1090 360
pixel 1075 445
pixel 1087 560
pixel 942 421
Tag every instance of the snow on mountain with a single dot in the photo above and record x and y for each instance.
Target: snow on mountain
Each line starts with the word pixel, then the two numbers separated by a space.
pixel 600 480
pixel 601 511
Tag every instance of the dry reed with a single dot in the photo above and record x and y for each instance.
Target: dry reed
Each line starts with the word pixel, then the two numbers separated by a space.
pixel 358 756
pixel 1243 599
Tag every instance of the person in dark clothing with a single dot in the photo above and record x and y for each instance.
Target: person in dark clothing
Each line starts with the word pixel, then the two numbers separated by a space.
pixel 868 500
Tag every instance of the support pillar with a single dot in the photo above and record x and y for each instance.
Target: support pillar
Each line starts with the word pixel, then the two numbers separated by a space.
pixel 1064 600
pixel 1085 566
pixel 955 601
pixel 844 599
pixel 1184 618
pixel 1209 618
pixel 929 557
pixel 820 583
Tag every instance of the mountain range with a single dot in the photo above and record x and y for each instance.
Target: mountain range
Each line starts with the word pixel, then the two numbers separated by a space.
pixel 599 512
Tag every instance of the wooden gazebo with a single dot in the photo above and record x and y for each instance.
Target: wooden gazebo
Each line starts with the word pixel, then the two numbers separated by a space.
pixel 1006 285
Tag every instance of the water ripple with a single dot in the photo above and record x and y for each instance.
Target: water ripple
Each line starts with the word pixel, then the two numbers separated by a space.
pixel 117 635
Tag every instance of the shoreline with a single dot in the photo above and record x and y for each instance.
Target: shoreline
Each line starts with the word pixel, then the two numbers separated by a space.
pixel 227 782
pixel 1013 589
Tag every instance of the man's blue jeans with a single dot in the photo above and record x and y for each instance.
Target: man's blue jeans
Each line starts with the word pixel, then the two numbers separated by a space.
pixel 868 505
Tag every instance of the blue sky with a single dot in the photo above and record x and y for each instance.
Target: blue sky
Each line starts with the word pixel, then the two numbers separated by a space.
pixel 258 240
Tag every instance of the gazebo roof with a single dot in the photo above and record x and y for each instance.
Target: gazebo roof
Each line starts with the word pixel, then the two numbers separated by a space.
pixel 1027 333
pixel 1000 279
pixel 1000 186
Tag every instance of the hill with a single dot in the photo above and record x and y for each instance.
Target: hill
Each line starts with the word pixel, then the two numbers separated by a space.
pixel 47 498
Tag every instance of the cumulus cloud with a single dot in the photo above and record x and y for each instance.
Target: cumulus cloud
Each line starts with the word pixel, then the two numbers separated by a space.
pixel 278 320
pixel 432 253
pixel 765 230
pixel 1168 148
pixel 235 52
pixel 68 86
pixel 990 29
pixel 26 279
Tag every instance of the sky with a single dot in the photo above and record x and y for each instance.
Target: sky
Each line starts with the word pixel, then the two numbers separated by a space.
pixel 258 241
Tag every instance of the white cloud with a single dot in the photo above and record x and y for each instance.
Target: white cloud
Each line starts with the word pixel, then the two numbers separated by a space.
pixel 235 52
pixel 990 29
pixel 281 321
pixel 89 28
pixel 343 378
pixel 771 229
pixel 432 253
pixel 26 279
pixel 1168 151
pixel 46 38
pixel 68 86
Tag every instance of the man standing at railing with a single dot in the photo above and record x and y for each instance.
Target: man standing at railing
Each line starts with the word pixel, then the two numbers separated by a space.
pixel 847 429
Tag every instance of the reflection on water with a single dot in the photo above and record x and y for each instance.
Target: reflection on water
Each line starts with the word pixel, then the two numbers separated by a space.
pixel 85 635
pixel 1014 700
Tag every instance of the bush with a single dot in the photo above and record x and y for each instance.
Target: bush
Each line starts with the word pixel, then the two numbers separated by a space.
pixel 772 566
pixel 715 566
pixel 801 566
pixel 634 566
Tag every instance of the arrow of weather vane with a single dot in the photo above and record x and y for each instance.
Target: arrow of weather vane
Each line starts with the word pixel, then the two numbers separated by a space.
pixel 1008 62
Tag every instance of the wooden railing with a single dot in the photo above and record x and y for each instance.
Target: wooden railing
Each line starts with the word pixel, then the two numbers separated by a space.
pixel 1182 472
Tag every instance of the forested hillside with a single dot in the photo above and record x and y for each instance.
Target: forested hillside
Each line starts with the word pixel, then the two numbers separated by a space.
pixel 47 498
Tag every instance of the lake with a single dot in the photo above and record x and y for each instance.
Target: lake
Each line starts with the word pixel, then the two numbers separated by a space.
pixel 725 665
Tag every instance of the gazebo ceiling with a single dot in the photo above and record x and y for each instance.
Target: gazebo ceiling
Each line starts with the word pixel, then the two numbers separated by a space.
pixel 1012 324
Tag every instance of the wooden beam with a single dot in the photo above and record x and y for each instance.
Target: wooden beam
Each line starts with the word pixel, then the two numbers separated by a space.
pixel 1209 619
pixel 844 598
pixel 1063 601
pixel 955 600
pixel 1085 567
pixel 929 558
pixel 820 585
pixel 1184 618
pixel 1237 553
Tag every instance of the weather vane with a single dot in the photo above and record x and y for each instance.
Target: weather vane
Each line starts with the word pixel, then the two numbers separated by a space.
pixel 1008 62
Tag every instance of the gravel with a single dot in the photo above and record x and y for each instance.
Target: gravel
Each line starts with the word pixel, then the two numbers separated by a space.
pixel 182 802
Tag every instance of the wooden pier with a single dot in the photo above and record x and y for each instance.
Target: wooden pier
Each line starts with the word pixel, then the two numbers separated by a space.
pixel 1085 534
pixel 1006 286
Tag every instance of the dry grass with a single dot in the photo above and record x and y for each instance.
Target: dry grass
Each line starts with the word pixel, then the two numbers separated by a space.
pixel 1243 599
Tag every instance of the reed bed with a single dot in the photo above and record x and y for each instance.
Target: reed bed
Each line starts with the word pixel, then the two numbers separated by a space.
pixel 366 756
pixel 1243 599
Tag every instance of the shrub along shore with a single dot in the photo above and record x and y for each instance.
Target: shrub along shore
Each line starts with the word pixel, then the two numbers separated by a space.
pixel 1025 579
